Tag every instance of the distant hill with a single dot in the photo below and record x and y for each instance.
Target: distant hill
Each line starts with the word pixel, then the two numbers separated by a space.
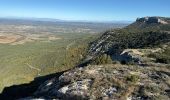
pixel 150 24
pixel 63 23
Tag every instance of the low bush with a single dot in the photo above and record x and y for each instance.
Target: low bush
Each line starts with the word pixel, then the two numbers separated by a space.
pixel 132 78
pixel 163 57
pixel 102 59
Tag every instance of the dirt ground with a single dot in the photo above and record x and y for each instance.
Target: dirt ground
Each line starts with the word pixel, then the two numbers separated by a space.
pixel 21 39
pixel 5 39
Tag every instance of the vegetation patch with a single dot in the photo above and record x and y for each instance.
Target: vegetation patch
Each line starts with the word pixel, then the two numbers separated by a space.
pixel 22 63
pixel 163 57
pixel 102 59
pixel 132 78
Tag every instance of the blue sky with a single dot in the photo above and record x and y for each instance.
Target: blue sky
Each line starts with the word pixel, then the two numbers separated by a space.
pixel 93 10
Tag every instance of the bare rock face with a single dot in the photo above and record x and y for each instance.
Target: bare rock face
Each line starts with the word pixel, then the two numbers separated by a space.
pixel 150 20
pixel 138 56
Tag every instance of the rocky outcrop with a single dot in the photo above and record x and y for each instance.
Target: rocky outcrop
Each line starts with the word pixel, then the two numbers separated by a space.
pixel 116 44
pixel 107 82
pixel 138 56
pixel 150 20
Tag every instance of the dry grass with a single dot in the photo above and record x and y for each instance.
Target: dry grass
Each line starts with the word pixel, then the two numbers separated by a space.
pixel 127 93
pixel 5 39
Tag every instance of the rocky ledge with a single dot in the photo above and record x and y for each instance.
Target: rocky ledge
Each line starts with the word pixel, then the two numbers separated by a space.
pixel 108 82
pixel 150 20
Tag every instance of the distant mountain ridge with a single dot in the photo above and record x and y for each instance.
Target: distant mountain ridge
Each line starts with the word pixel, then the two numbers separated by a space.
pixel 62 20
pixel 62 23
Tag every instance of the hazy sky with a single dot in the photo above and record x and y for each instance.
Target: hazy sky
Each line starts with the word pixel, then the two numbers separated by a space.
pixel 94 10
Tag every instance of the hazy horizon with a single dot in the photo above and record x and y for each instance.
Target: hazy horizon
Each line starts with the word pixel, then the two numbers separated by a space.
pixel 64 20
pixel 89 10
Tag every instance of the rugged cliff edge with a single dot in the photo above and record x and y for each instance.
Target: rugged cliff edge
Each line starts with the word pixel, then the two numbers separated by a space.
pixel 105 82
pixel 139 68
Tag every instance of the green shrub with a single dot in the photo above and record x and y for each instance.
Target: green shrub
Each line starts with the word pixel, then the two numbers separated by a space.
pixel 132 78
pixel 102 59
pixel 153 89
pixel 163 57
